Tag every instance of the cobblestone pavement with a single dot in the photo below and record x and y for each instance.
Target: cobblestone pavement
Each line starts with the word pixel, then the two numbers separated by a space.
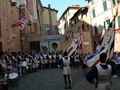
pixel 52 79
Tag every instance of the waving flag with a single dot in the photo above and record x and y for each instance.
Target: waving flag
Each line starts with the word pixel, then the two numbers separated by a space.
pixel 74 46
pixel 80 46
pixel 106 46
pixel 21 24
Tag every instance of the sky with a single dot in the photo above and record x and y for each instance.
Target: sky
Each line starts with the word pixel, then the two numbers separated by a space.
pixel 62 5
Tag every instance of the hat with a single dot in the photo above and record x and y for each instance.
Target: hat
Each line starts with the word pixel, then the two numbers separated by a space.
pixel 1 54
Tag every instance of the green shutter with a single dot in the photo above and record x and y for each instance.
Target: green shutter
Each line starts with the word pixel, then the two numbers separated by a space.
pixel 104 26
pixel 108 21
pixel 118 21
pixel 113 1
pixel 93 12
pixel 105 5
pixel 95 29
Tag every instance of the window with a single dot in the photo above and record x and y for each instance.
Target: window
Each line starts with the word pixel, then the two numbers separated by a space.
pixel 27 3
pixel 75 21
pixel 68 13
pixel 92 2
pixel 87 27
pixel 106 24
pixel 82 26
pixel 47 28
pixel 78 28
pixel 113 1
pixel 93 13
pixel 104 5
pixel 118 21
pixel 95 29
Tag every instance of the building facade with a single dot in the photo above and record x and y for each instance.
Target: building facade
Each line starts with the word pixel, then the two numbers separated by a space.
pixel 32 33
pixel 9 36
pixel 81 22
pixel 64 20
pixel 51 35
pixel 102 13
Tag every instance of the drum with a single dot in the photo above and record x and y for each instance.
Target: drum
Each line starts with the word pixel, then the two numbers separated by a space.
pixel 13 79
pixel 24 63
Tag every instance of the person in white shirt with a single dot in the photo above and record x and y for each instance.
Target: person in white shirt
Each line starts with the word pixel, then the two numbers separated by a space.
pixel 118 65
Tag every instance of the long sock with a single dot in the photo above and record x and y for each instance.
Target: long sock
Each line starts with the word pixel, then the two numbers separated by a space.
pixel 70 81
pixel 65 80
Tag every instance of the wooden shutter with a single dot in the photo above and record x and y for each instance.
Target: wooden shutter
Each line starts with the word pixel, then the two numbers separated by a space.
pixel 95 29
pixel 93 12
pixel 118 21
pixel 105 5
pixel 104 25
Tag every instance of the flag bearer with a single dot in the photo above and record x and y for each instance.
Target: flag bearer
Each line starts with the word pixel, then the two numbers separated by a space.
pixel 66 70
pixel 102 73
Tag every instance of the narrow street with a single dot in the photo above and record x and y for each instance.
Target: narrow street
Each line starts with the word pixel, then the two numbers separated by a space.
pixel 52 79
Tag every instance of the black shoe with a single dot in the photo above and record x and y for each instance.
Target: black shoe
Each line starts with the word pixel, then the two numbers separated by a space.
pixel 66 87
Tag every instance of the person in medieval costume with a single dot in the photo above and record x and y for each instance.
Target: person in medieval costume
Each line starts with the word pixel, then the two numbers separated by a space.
pixel 19 60
pixel 54 57
pixel 42 62
pixel 45 59
pixel 3 73
pixel 50 61
pixel 102 72
pixel 66 70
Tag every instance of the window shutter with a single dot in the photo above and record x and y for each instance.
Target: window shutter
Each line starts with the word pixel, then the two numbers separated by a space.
pixel 105 5
pixel 108 21
pixel 104 26
pixel 118 21
pixel 93 12
pixel 113 1
pixel 95 29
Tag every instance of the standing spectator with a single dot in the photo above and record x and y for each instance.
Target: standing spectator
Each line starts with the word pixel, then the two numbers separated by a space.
pixel 60 56
pixel 118 65
pixel 19 60
pixel 84 66
pixel 102 73
pixel 3 73
pixel 66 70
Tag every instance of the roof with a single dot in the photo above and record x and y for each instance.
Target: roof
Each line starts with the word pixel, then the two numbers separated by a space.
pixel 71 7
pixel 81 10
pixel 51 9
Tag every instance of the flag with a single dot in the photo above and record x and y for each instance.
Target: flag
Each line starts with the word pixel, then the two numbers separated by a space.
pixel 68 35
pixel 80 46
pixel 75 45
pixel 21 24
pixel 106 45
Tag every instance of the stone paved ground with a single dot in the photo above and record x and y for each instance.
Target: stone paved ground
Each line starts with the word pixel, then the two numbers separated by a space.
pixel 52 79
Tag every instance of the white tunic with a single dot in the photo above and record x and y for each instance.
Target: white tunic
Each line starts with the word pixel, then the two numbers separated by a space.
pixel 104 78
pixel 66 66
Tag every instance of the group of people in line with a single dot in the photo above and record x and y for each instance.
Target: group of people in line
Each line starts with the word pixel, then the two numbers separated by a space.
pixel 22 63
